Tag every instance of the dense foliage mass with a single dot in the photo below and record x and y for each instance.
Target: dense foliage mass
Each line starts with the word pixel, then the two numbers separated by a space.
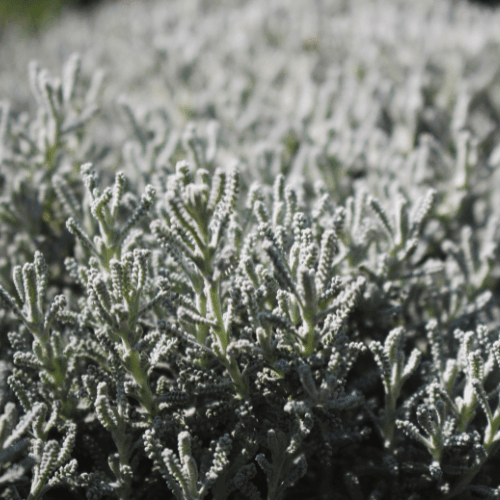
pixel 272 263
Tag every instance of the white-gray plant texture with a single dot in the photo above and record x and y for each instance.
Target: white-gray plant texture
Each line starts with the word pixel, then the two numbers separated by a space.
pixel 249 249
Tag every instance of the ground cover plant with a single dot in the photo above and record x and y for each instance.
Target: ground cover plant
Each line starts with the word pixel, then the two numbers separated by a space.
pixel 250 250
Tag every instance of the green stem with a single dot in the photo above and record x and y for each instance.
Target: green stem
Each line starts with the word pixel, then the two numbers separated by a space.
pixel 124 451
pixel 215 305
pixel 231 366
pixel 389 420
pixel 146 397
pixel 309 344
pixel 132 363
pixel 274 488
pixel 201 305
pixel 57 370
pixel 202 330
pixel 460 486
pixel 238 379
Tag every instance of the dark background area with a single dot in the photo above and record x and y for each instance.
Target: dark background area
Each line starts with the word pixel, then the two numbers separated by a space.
pixel 35 15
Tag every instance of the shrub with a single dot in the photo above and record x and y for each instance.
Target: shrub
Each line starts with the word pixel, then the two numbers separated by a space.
pixel 211 302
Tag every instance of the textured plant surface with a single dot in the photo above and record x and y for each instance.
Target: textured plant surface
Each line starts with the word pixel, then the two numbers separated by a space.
pixel 250 250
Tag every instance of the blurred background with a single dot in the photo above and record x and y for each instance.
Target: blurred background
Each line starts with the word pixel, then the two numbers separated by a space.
pixel 33 16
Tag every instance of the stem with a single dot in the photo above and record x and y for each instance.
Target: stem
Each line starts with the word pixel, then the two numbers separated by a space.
pixel 460 486
pixel 309 342
pixel 202 330
pixel 232 366
pixel 389 420
pixel 215 305
pixel 201 305
pixel 132 363
pixel 124 451
pixel 57 370
pixel 274 486
pixel 145 394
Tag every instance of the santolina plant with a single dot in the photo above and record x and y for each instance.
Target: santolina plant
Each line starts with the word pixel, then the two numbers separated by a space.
pixel 190 311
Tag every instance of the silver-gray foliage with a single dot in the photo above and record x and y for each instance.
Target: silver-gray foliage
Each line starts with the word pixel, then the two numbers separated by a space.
pixel 277 279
